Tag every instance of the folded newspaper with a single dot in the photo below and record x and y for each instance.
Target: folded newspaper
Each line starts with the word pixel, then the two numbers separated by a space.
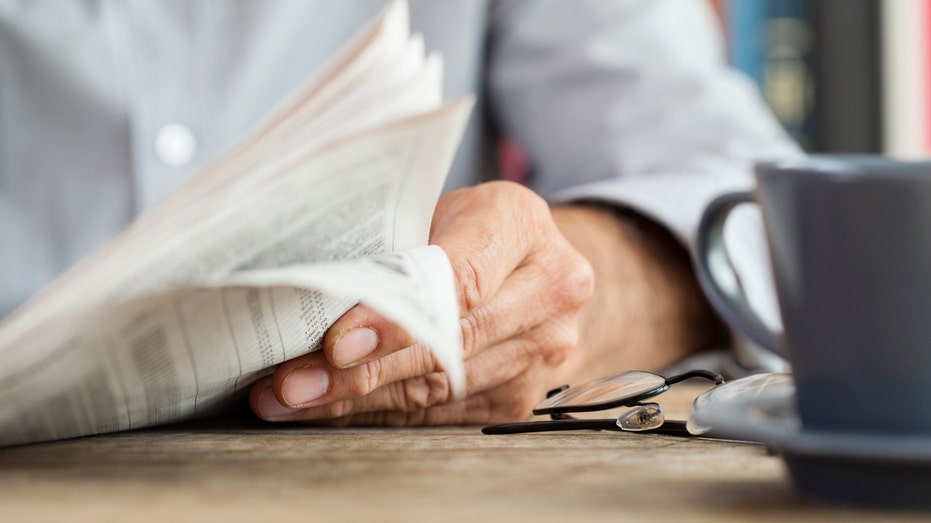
pixel 327 204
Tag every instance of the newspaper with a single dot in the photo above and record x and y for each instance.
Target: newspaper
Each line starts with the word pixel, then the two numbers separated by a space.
pixel 326 204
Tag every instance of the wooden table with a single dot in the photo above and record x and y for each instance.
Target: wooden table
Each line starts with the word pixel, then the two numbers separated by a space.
pixel 250 471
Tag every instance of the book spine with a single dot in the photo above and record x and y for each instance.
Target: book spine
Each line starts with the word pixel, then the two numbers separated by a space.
pixel 746 35
pixel 771 42
pixel 847 116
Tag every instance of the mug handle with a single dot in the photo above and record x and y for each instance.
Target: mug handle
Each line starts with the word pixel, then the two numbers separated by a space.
pixel 717 278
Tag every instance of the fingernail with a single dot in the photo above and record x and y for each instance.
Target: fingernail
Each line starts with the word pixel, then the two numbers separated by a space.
pixel 354 345
pixel 305 385
pixel 270 408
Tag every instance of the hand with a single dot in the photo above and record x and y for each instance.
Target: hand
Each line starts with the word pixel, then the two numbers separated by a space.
pixel 521 288
pixel 531 318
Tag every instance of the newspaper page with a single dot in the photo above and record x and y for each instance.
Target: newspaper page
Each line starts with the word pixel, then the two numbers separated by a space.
pixel 189 352
pixel 251 262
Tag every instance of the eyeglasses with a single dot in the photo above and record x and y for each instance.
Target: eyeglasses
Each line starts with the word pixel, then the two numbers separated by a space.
pixel 628 391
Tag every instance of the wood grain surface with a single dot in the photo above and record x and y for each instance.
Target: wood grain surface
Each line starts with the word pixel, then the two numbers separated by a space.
pixel 244 470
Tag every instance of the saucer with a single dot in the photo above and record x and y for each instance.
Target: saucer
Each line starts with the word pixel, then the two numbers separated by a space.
pixel 855 468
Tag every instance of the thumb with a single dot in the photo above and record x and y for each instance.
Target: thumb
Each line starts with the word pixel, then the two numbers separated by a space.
pixel 362 335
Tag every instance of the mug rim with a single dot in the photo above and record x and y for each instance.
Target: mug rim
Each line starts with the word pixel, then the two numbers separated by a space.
pixel 848 167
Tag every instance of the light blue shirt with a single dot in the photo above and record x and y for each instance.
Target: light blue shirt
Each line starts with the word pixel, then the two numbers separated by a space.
pixel 106 106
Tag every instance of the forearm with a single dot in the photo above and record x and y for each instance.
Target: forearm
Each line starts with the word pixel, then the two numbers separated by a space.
pixel 647 310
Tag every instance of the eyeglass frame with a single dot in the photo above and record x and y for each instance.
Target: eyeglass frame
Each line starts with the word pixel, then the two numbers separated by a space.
pixel 561 419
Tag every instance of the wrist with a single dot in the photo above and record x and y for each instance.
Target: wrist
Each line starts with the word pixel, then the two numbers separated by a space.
pixel 647 311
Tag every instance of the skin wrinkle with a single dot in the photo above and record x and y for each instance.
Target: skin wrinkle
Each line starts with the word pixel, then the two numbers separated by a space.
pixel 526 347
pixel 490 316
pixel 438 388
pixel 477 260
pixel 593 292
pixel 473 326
pixel 371 378
pixel 472 285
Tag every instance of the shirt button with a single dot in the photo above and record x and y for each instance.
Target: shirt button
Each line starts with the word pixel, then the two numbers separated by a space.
pixel 175 145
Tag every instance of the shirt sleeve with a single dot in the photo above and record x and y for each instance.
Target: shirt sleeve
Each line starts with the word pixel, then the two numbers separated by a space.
pixel 630 102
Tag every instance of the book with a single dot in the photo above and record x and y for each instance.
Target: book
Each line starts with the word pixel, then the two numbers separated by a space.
pixel 747 38
pixel 835 74
pixel 771 41
pixel 906 109
pixel 847 80
pixel 326 204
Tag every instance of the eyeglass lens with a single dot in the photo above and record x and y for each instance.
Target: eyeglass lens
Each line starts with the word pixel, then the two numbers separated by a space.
pixel 629 384
pixel 748 388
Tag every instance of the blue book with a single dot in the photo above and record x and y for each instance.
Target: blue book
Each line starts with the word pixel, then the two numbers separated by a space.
pixel 746 34
pixel 772 42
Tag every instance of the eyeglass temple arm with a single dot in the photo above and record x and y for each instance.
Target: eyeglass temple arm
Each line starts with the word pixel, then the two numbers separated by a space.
pixel 549 426
pixel 707 374
pixel 669 428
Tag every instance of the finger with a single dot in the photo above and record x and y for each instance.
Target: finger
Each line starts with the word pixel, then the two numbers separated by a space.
pixel 315 382
pixel 509 402
pixel 361 335
pixel 546 346
pixel 308 381
pixel 529 296
pixel 427 389
pixel 264 404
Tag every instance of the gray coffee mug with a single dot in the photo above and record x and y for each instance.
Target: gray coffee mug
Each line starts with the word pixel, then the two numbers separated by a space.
pixel 850 244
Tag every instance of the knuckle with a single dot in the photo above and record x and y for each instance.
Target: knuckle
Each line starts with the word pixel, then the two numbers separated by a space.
pixel 368 379
pixel 504 191
pixel 425 391
pixel 438 387
pixel 471 274
pixel 398 398
pixel 561 339
pixel 575 282
pixel 583 279
pixel 469 334
pixel 508 192
pixel 416 393
pixel 472 326
pixel 523 205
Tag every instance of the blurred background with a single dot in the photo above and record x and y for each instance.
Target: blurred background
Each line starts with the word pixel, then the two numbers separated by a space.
pixel 841 75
